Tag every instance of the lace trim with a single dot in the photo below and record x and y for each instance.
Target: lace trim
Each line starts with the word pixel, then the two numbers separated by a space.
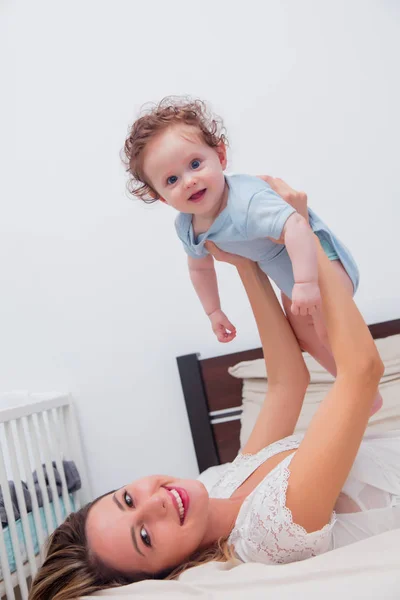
pixel 265 531
pixel 288 512
pixel 245 464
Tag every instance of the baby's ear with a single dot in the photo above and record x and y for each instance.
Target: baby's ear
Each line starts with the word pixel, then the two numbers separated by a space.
pixel 221 151
pixel 154 196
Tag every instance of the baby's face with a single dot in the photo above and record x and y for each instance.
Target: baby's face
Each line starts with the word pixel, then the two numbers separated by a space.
pixel 186 172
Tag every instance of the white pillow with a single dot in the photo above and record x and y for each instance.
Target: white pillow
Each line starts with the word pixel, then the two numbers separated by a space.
pixel 255 384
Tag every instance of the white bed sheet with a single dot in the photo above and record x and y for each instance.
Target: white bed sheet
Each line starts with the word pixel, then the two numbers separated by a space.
pixel 367 570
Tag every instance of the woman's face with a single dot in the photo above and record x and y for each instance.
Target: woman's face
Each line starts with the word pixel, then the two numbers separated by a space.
pixel 150 525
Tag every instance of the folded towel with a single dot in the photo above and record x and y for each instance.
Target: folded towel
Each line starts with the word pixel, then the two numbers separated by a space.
pixel 72 479
pixel 14 501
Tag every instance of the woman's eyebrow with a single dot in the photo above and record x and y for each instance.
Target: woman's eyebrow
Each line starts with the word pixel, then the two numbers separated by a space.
pixel 117 502
pixel 135 541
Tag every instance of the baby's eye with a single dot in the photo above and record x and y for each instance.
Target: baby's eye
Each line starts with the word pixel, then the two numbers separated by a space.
pixel 128 500
pixel 145 537
pixel 171 180
pixel 195 164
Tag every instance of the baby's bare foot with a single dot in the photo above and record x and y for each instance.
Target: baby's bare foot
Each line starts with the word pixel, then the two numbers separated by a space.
pixel 377 405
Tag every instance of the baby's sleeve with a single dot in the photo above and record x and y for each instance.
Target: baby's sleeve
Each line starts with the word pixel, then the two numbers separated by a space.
pixel 182 230
pixel 195 252
pixel 267 214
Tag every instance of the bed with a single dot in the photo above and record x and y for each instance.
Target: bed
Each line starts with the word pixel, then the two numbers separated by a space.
pixel 216 406
pixel 39 439
pixel 223 396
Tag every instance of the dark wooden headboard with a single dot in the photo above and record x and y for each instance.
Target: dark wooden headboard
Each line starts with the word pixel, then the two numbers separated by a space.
pixel 213 399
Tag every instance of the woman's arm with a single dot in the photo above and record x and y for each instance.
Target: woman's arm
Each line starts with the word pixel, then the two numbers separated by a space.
pixel 288 377
pixel 287 374
pixel 323 461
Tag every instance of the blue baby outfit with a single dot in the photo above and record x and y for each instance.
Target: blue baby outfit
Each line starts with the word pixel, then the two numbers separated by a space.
pixel 253 213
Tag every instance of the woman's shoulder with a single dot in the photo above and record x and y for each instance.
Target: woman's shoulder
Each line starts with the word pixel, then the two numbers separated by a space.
pixel 265 531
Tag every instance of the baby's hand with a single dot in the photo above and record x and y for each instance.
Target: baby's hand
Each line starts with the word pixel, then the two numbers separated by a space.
pixel 306 298
pixel 221 326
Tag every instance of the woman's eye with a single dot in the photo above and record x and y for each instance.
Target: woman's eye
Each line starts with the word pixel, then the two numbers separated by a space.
pixel 128 500
pixel 171 180
pixel 195 164
pixel 145 537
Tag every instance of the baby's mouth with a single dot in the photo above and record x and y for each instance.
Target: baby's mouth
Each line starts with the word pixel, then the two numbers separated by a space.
pixel 197 196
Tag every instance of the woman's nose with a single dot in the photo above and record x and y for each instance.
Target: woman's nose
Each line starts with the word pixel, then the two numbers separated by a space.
pixel 154 506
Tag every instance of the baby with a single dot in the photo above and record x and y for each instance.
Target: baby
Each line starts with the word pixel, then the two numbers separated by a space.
pixel 176 153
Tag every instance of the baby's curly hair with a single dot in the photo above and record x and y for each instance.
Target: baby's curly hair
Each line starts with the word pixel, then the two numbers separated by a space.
pixel 172 110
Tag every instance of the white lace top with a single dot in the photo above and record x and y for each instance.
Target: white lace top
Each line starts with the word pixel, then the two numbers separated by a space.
pixel 264 530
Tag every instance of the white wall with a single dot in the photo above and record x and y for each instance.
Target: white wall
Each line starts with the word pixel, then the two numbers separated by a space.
pixel 95 299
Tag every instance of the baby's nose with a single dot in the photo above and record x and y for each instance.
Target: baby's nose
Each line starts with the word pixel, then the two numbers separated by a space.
pixel 190 181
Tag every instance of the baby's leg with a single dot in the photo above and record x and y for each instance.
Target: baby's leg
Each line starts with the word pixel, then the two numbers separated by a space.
pixel 312 335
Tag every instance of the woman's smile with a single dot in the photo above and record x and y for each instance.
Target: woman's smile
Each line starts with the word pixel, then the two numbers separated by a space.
pixel 180 499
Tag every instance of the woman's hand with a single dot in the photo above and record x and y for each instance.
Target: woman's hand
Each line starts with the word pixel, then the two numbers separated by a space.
pixel 222 256
pixel 296 199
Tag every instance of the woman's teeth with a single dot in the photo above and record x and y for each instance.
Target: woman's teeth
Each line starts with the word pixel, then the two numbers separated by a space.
pixel 180 503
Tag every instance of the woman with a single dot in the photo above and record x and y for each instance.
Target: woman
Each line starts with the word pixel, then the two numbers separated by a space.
pixel 286 497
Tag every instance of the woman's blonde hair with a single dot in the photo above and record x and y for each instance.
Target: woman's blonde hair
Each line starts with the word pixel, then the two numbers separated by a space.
pixel 71 570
